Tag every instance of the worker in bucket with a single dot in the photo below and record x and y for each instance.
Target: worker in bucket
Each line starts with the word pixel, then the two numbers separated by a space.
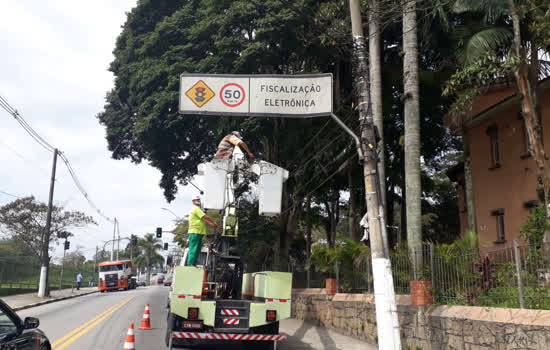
pixel 227 146
pixel 197 228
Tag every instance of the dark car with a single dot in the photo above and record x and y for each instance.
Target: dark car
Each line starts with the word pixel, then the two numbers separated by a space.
pixel 160 279
pixel 168 281
pixel 18 334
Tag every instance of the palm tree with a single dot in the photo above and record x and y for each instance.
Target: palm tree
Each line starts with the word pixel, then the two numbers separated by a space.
pixel 375 71
pixel 498 36
pixel 149 246
pixel 411 95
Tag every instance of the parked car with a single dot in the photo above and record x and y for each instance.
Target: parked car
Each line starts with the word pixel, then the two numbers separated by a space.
pixel 168 281
pixel 160 279
pixel 141 283
pixel 18 334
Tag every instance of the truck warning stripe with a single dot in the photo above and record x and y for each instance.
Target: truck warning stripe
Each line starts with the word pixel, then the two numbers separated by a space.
pixel 230 312
pixel 228 336
pixel 231 321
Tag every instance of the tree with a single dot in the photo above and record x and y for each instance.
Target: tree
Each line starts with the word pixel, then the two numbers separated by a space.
pixel 24 219
pixel 375 70
pixel 411 96
pixel 149 246
pixel 509 42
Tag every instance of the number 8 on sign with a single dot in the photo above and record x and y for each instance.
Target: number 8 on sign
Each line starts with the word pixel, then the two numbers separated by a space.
pixel 232 95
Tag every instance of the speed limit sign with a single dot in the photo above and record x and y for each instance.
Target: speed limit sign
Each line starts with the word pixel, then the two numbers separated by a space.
pixel 232 95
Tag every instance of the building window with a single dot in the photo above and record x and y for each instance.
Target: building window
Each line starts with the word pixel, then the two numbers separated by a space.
pixel 499 215
pixel 492 132
pixel 526 143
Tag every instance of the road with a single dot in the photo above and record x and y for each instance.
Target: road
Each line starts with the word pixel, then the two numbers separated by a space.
pixel 100 321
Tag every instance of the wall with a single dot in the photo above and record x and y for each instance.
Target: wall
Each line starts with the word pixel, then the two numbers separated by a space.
pixel 510 185
pixel 437 327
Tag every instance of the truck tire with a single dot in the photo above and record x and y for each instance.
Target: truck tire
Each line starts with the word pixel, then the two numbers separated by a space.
pixel 170 325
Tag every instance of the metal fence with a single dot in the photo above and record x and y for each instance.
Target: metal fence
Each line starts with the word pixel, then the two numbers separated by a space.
pixel 516 276
pixel 21 274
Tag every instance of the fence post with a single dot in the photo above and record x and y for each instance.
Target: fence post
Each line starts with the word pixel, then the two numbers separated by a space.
pixel 368 275
pixel 518 271
pixel 432 271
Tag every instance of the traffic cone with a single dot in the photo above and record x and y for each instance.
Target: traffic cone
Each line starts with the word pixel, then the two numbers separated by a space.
pixel 146 320
pixel 129 343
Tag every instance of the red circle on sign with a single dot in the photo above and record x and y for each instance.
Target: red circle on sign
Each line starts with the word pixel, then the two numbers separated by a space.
pixel 233 97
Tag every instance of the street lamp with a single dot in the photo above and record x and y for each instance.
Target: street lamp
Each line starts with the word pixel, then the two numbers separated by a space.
pixel 171 212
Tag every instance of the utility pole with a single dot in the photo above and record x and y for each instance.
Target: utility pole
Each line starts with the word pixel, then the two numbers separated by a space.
pixel 384 294
pixel 113 250
pixel 43 286
pixel 118 241
pixel 96 252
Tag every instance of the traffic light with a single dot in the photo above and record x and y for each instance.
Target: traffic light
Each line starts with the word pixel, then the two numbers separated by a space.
pixel 159 232
pixel 133 240
pixel 165 246
pixel 67 245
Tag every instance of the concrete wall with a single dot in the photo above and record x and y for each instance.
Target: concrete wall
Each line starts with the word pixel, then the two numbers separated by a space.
pixel 436 327
pixel 512 184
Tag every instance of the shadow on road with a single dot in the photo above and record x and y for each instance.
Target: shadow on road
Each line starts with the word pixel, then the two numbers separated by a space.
pixel 297 340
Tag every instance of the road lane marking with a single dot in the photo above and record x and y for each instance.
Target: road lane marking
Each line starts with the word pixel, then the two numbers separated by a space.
pixel 70 337
pixel 86 323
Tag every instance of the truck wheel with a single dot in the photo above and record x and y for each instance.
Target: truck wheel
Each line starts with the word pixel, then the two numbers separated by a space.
pixel 170 325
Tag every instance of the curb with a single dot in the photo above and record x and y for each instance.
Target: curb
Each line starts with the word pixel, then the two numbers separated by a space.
pixel 51 301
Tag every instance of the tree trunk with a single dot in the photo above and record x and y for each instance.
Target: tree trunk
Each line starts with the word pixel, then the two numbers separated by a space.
pixel 352 216
pixel 390 206
pixel 309 227
pixel 468 184
pixel 375 70
pixel 412 136
pixel 527 87
pixel 148 271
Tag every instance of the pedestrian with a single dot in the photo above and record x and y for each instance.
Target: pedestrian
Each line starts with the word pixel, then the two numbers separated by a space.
pixel 91 281
pixel 227 146
pixel 78 281
pixel 197 228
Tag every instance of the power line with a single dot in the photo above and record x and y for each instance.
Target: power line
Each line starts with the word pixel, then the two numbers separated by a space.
pixel 311 192
pixel 9 194
pixel 4 104
pixel 81 188
pixel 42 142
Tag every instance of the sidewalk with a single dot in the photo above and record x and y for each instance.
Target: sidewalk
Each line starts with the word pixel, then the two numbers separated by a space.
pixel 28 300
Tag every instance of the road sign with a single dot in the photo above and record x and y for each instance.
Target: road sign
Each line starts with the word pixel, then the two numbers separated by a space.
pixel 256 95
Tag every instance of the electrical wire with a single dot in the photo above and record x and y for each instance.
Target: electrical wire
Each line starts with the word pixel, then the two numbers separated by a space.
pixel 257 228
pixel 9 194
pixel 81 188
pixel 42 142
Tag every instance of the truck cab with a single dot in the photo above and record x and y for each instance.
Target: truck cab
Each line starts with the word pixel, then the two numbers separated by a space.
pixel 114 275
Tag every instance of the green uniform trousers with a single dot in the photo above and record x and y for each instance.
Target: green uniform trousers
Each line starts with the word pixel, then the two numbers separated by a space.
pixel 195 245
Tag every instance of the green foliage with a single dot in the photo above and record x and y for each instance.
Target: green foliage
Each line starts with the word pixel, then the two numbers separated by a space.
pixel 532 230
pixel 149 246
pixel 349 256
pixel 23 221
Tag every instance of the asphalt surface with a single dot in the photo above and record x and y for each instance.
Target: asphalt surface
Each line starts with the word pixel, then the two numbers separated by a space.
pixel 101 320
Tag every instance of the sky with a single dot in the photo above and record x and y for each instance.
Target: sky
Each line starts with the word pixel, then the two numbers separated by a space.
pixel 53 70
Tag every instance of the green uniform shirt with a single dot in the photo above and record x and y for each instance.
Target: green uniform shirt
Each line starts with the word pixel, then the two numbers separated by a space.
pixel 196 224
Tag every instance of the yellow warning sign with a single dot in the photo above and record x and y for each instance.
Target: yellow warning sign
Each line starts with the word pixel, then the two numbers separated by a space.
pixel 200 93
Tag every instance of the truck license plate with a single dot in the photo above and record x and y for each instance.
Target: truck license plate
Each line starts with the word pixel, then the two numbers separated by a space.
pixel 192 325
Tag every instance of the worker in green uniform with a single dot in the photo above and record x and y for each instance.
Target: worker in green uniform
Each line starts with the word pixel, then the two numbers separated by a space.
pixel 197 228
